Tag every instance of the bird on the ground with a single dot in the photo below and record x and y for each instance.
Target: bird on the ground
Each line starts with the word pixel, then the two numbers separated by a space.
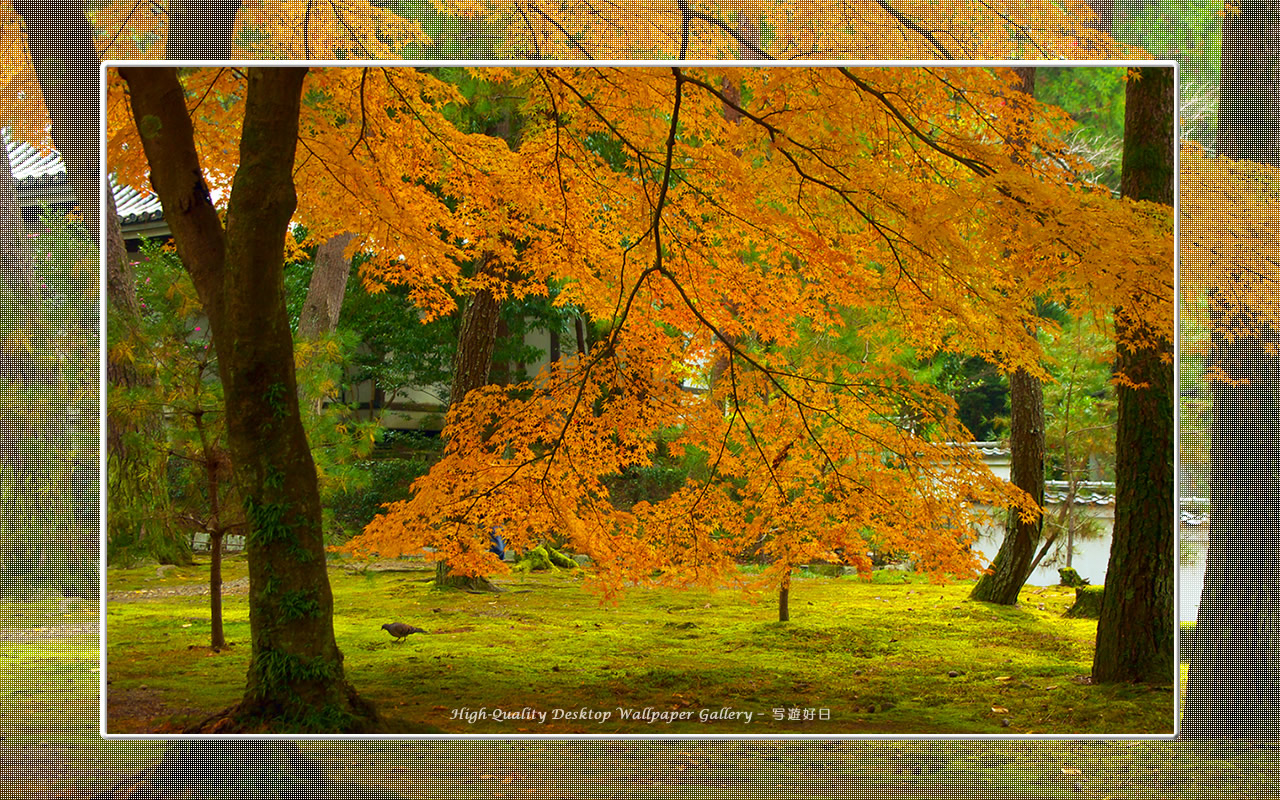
pixel 400 630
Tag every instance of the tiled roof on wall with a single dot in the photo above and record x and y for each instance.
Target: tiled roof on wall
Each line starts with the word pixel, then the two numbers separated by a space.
pixel 33 169
pixel 38 175
pixel 134 206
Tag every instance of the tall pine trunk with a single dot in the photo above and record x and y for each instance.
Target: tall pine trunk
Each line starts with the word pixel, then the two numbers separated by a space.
pixel 1234 676
pixel 1137 626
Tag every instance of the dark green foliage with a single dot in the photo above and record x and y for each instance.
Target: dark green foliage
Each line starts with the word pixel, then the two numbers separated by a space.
pixel 1093 96
pixel 172 349
pixel 298 604
pixel 400 458
pixel 387 347
pixel 267 521
pixel 980 391
pixel 452 37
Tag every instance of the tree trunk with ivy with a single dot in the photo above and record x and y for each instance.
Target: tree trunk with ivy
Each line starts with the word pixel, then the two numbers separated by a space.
pixel 1136 628
pixel 296 681
pixel 220 769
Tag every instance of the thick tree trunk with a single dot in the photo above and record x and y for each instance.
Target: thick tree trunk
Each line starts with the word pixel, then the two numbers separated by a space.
pixel 217 640
pixel 1234 673
pixel 1137 626
pixel 206 769
pixel 477 338
pixel 784 599
pixel 200 29
pixel 1234 676
pixel 296 681
pixel 57 33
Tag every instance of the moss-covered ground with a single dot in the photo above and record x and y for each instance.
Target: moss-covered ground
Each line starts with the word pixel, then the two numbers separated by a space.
pixel 48 709
pixel 898 655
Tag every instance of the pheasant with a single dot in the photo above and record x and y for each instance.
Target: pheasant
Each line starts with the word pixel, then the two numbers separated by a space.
pixel 400 630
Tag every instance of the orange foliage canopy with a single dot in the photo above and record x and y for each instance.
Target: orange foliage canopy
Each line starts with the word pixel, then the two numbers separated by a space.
pixel 760 244
pixel 341 29
pixel 712 29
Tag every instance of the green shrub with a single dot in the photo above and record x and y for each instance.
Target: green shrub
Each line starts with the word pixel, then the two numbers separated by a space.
pixel 388 481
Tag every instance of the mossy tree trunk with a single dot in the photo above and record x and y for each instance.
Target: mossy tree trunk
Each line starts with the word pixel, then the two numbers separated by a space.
pixel 1136 628
pixel 206 769
pixel 296 681
pixel 1234 676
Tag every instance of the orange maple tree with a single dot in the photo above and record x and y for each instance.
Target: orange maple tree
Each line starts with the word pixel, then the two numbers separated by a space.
pixel 884 29
pixel 915 209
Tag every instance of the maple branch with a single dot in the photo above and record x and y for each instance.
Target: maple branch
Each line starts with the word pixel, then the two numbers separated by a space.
pixel 737 410
pixel 907 23
pixel 686 16
pixel 533 35
pixel 666 168
pixel 364 75
pixel 963 96
pixel 355 37
pixel 880 227
pixel 551 21
pixel 979 168
pixel 123 25
pixel 1022 29
pixel 306 31
pixel 621 311
pixel 608 123
pixel 735 34
pixel 207 90
pixel 555 115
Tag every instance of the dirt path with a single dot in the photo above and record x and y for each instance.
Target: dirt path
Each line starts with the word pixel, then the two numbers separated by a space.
pixel 240 586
